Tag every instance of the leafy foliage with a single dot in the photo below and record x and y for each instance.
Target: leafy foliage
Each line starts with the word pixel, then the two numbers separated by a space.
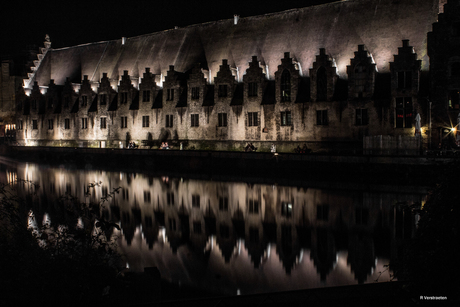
pixel 55 264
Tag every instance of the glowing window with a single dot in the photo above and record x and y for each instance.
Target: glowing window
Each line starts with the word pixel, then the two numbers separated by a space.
pixel 286 118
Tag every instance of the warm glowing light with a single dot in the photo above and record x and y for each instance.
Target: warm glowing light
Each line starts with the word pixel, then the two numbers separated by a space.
pixel 453 129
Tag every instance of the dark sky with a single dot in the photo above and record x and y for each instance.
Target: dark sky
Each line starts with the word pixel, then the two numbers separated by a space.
pixel 73 22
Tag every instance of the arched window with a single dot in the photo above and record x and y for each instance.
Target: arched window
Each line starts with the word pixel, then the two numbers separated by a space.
pixel 321 84
pixel 285 86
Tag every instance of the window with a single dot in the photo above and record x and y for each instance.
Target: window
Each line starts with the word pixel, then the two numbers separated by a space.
pixel 66 123
pixel 145 96
pixel 170 199
pixel 103 122
pixel 170 94
pixel 286 118
pixel 360 77
pixel 124 122
pixel 123 97
pixel 321 117
pixel 195 92
pixel 50 103
pixel 404 112
pixel 222 90
pixel 252 89
pixel 147 197
pixel 50 124
pixel 34 124
pixel 321 84
pixel 222 119
pixel 223 203
pixel 68 188
pixel 197 228
pixel 361 117
pixel 194 120
pixel 286 209
pixel 285 86
pixel 253 119
pixel 322 212
pixel 103 99
pixel 169 121
pixel 84 101
pixel 196 201
pixel 145 121
pixel 253 205
pixel 20 125
pixel 84 123
pixel 404 80
pixel 66 102
pixel 454 99
pixel 34 104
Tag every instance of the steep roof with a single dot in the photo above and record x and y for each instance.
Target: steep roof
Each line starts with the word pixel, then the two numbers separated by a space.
pixel 338 27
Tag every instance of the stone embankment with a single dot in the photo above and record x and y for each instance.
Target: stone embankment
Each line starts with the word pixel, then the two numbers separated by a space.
pixel 404 169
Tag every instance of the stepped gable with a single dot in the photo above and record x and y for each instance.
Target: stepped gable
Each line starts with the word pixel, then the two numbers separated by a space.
pixel 338 27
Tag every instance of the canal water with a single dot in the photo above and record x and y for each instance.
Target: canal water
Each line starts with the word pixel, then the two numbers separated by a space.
pixel 232 236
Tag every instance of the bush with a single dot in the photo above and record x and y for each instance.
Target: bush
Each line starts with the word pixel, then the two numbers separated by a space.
pixel 54 264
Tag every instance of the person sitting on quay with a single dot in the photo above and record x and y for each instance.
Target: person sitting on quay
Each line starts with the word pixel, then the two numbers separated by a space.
pixel 250 147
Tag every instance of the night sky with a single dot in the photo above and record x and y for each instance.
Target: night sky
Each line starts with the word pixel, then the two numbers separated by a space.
pixel 70 23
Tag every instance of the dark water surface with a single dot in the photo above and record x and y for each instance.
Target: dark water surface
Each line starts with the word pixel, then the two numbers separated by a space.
pixel 234 237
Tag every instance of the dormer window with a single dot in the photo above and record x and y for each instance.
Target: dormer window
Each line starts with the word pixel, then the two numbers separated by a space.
pixel 103 99
pixel 252 89
pixel 123 97
pixel 170 94
pixel 321 84
pixel 285 86
pixel 145 96
pixel 195 92
pixel 84 101
pixel 360 75
pixel 404 80
pixel 222 90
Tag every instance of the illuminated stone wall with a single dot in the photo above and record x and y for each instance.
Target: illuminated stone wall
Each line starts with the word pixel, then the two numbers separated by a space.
pixel 322 75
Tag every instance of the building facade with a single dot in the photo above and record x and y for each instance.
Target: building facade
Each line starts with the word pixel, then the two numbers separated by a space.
pixel 326 76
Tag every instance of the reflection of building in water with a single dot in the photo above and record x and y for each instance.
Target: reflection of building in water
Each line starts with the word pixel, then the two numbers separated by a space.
pixel 328 235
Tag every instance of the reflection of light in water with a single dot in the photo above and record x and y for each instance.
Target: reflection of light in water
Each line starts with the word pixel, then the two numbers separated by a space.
pixel 299 259
pixel 31 222
pixel 162 233
pixel 46 219
pixel 80 224
pixel 336 260
pixel 210 243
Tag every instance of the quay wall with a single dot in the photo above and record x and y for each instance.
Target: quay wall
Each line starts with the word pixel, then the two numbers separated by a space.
pixel 382 169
